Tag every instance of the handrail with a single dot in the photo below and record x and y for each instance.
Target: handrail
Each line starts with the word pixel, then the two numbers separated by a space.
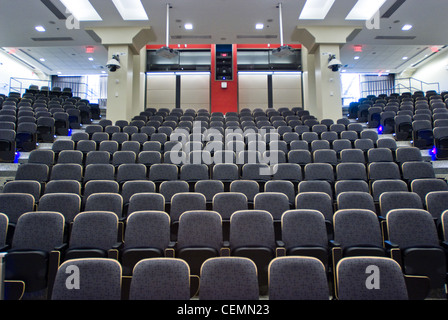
pixel 403 85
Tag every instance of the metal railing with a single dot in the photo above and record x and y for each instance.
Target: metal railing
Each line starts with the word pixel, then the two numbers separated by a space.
pixel 401 85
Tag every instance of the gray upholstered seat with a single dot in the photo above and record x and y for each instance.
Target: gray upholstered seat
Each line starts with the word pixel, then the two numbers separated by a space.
pixel 99 279
pixel 297 278
pixel 160 279
pixel 414 232
pixel 147 236
pixel 229 278
pixel 351 279
pixel 199 237
pixel 304 233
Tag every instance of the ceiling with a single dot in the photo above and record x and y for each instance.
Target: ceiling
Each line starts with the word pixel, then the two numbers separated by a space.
pixel 220 21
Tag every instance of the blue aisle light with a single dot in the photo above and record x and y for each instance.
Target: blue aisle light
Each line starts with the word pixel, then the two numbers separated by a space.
pixel 17 156
pixel 380 130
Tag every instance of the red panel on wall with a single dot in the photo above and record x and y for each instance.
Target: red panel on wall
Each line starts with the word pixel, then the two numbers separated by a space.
pixel 224 99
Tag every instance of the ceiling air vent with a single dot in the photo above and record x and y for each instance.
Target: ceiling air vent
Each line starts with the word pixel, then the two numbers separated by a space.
pixel 190 37
pixel 395 37
pixel 53 39
pixel 256 36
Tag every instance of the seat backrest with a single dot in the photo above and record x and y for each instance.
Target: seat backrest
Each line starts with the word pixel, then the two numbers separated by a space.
pixel 304 227
pixel 357 227
pixel 186 201
pixel 320 201
pixel 200 228
pixel 94 229
pixel 297 278
pixel 147 229
pixel 160 279
pixel 355 200
pixel 68 204
pixel 229 278
pixel 411 227
pixel 106 201
pixel 399 200
pixel 41 230
pixel 252 228
pixel 16 204
pixel 100 279
pixel 276 203
pixel 437 203
pixel 144 201
pixel 351 279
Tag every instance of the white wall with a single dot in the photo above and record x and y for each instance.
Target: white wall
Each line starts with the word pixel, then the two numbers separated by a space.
pixel 435 70
pixel 10 67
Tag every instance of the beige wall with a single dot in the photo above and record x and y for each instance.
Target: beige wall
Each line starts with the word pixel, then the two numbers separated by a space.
pixel 253 91
pixel 287 90
pixel 195 91
pixel 161 91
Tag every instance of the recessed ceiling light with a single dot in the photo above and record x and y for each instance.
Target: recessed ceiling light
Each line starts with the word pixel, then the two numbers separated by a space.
pixel 188 26
pixel 131 9
pixel 82 10
pixel 42 59
pixel 91 59
pixel 259 26
pixel 356 58
pixel 40 28
pixel 365 9
pixel 316 9
pixel 406 27
pixel 405 58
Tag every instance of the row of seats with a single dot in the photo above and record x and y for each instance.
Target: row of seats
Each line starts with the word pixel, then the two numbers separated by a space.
pixel 423 120
pixel 230 278
pixel 95 234
pixel 26 121
pixel 300 156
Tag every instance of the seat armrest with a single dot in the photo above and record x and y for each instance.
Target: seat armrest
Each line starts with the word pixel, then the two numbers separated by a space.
pixel 225 252
pixel 62 247
pixel 117 245
pixel 390 245
pixel 333 244
pixel 444 245
pixel 170 252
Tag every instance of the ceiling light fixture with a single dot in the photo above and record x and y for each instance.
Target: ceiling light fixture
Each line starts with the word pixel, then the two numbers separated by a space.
pixel 188 26
pixel 40 28
pixel 407 27
pixel 365 9
pixel 316 9
pixel 259 26
pixel 91 59
pixel 131 9
pixel 82 10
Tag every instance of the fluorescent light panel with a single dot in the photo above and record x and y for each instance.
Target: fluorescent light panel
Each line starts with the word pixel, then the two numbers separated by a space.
pixel 131 9
pixel 82 10
pixel 40 28
pixel 188 26
pixel 365 9
pixel 259 26
pixel 316 9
